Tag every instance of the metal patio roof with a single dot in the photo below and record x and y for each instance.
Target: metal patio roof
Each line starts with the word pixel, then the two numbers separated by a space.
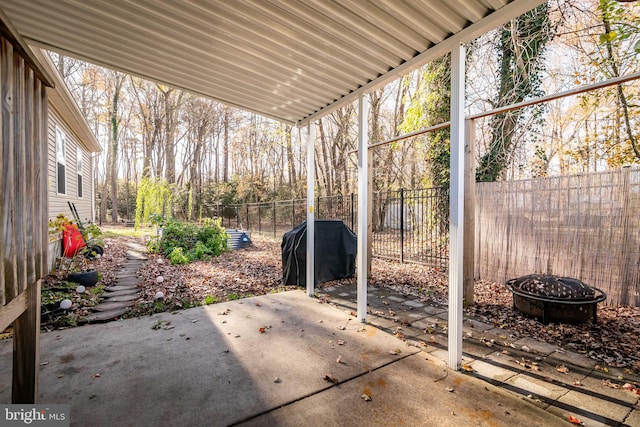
pixel 292 60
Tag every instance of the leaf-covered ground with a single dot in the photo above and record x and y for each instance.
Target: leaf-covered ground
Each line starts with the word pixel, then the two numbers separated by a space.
pixel 257 270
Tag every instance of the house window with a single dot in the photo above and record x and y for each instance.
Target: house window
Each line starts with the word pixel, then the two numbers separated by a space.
pixel 79 168
pixel 61 162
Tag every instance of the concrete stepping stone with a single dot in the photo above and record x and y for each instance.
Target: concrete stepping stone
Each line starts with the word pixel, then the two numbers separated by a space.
pixel 134 266
pixel 108 306
pixel 103 316
pixel 117 288
pixel 114 294
pixel 129 277
pixel 128 281
pixel 130 297
pixel 132 255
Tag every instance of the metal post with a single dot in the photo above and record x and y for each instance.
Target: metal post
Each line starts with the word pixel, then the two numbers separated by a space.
pixel 237 217
pixel 456 207
pixel 311 277
pixel 275 224
pixel 363 204
pixel 352 209
pixel 401 225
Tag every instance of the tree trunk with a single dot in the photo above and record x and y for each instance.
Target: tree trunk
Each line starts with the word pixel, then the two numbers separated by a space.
pixel 225 147
pixel 522 44
pixel 114 121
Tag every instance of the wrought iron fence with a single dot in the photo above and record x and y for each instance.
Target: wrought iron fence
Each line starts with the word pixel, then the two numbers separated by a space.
pixel 408 225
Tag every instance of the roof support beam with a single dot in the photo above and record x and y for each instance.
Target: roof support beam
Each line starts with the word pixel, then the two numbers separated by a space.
pixel 311 161
pixel 364 156
pixel 456 207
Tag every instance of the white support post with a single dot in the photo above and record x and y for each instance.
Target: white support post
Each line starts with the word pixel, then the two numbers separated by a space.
pixel 363 204
pixel 456 207
pixel 311 162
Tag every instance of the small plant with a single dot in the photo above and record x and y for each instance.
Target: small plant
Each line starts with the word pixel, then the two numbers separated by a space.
pixel 233 296
pixel 50 297
pixel 97 290
pixel 201 251
pixel 210 299
pixel 57 226
pixel 177 256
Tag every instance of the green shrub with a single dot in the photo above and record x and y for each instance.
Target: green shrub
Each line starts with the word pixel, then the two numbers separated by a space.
pixel 177 256
pixel 194 242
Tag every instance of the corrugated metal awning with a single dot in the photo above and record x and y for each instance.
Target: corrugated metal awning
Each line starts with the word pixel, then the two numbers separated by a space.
pixel 286 59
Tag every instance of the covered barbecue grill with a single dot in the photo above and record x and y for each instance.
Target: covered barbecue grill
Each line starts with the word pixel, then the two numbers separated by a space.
pixel 555 299
pixel 335 252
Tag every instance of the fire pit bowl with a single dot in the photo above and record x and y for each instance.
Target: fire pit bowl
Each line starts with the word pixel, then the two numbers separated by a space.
pixel 555 299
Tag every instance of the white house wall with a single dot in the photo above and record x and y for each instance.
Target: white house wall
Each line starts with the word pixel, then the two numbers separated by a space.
pixel 58 202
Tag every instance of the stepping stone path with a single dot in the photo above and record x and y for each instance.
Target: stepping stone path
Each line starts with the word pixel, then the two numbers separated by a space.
pixel 117 298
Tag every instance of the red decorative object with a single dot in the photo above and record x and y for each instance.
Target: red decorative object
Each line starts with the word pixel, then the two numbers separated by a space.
pixel 72 240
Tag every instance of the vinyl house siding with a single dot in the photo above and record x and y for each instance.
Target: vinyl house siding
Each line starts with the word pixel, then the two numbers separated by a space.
pixel 58 202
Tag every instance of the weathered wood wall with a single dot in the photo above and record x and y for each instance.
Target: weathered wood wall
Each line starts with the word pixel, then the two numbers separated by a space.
pixel 23 207
pixel 583 226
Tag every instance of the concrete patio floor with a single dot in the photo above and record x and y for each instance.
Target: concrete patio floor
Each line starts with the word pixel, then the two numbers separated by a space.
pixel 261 361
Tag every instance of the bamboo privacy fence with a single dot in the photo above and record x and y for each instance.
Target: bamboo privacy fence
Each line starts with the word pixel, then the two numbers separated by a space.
pixel 581 226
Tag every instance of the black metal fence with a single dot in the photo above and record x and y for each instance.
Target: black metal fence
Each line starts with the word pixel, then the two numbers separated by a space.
pixel 408 225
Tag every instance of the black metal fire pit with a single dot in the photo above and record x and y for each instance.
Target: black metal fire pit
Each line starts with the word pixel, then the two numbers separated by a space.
pixel 555 299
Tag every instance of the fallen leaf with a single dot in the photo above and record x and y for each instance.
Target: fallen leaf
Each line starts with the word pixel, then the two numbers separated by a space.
pixel 366 397
pixel 340 342
pixel 395 352
pixel 339 359
pixel 574 420
pixel 262 330
pixel 467 368
pixel 562 369
pixel 330 378
pixel 449 389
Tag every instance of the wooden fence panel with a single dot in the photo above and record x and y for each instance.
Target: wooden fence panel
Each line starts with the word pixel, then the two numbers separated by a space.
pixel 23 209
pixel 582 226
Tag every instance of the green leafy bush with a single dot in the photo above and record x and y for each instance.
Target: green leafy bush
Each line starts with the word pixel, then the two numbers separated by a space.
pixel 184 242
pixel 177 256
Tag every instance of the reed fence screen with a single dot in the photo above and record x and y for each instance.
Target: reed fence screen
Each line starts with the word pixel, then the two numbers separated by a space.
pixel 581 226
